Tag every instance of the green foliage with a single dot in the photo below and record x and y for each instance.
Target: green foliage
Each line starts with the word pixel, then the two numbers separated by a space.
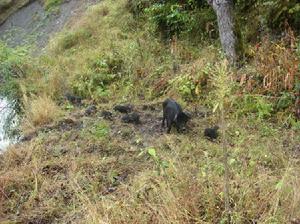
pixel 51 5
pixel 11 68
pixel 254 104
pixel 286 100
pixel 222 96
pixel 185 85
pixel 270 15
pixel 174 18
pixel 160 163
pixel 169 18
pixel 100 73
pixel 279 11
pixel 11 62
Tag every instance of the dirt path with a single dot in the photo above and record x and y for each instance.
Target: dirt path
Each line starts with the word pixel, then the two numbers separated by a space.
pixel 32 25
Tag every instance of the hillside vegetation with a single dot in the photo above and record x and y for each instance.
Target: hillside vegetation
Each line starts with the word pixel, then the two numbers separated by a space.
pixel 78 167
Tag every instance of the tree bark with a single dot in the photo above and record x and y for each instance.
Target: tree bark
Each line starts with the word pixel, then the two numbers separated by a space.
pixel 226 25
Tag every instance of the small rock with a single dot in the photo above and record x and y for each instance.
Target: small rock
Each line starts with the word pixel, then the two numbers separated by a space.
pixel 106 115
pixel 131 118
pixel 211 133
pixel 123 108
pixel 90 110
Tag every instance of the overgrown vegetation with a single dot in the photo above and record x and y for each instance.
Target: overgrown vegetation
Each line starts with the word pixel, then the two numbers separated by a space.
pixel 80 169
pixel 51 5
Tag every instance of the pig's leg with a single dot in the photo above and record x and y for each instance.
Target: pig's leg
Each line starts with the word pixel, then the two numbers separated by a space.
pixel 163 121
pixel 169 125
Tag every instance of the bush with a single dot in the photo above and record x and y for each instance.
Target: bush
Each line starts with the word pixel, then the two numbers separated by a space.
pixel 173 18
pixel 170 19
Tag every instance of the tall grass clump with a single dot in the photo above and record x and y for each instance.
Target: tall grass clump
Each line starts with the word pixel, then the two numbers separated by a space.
pixel 39 111
pixel 222 80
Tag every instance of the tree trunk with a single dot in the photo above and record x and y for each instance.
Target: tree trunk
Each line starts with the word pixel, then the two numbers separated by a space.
pixel 226 24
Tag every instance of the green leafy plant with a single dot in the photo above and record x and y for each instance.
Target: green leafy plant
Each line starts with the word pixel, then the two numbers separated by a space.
pixel 185 85
pixel 169 18
pixel 99 75
pixel 257 105
pixel 161 164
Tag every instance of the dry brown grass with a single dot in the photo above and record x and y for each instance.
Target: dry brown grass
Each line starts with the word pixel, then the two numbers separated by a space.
pixel 70 176
pixel 39 111
pixel 274 68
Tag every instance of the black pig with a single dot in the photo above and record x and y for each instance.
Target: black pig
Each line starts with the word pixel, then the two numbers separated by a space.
pixel 211 133
pixel 173 114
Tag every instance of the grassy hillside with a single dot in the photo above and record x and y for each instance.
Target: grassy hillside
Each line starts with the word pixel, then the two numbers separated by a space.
pixel 81 168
